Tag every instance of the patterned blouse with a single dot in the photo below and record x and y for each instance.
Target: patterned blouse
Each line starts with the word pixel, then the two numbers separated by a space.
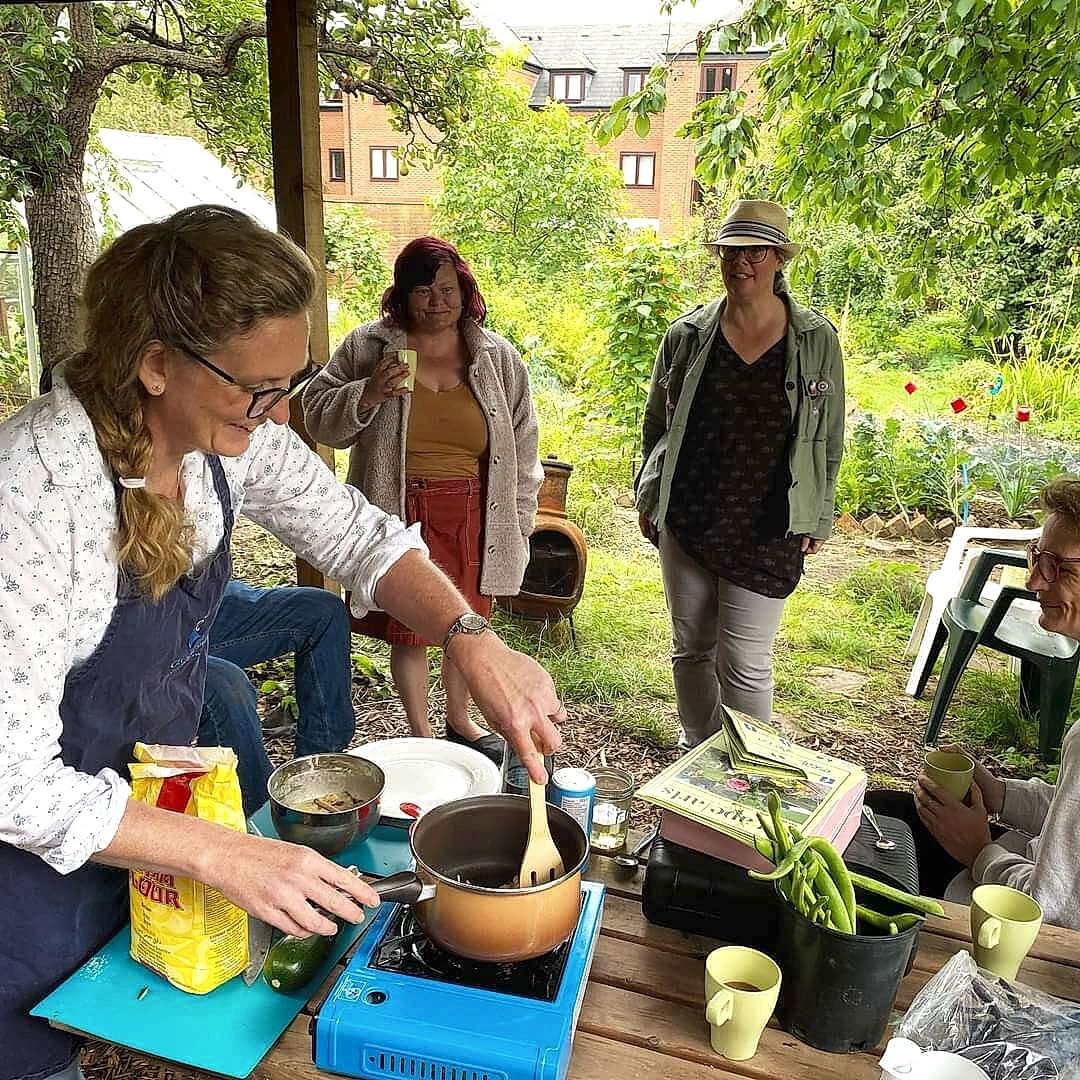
pixel 728 505
pixel 58 577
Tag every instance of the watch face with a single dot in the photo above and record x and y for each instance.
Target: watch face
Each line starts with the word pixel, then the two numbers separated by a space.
pixel 473 622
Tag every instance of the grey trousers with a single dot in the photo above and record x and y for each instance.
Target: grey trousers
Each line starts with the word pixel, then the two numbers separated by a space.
pixel 722 638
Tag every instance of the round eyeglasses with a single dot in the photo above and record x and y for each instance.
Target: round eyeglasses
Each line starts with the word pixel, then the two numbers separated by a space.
pixel 1046 562
pixel 262 401
pixel 755 253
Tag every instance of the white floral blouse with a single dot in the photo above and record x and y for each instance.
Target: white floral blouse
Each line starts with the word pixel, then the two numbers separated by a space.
pixel 58 579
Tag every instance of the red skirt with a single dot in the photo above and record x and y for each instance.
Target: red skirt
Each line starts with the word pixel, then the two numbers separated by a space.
pixel 451 517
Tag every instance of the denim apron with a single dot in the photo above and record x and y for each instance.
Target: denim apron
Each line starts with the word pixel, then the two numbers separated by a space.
pixel 143 683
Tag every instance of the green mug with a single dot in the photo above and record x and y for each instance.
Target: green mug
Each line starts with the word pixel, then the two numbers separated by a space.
pixel 1004 925
pixel 741 989
pixel 408 358
pixel 953 772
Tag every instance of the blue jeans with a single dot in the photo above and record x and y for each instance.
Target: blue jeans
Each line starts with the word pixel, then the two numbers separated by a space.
pixel 255 625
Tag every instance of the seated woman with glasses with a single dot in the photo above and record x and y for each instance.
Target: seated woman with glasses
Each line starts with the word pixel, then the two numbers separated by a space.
pixel 1039 854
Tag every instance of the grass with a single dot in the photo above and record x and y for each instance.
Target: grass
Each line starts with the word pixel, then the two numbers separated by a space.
pixel 623 644
pixel 881 391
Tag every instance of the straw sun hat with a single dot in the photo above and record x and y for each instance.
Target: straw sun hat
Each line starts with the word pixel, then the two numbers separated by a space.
pixel 752 222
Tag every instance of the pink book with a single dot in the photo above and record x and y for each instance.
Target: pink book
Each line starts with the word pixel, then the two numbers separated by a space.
pixel 838 826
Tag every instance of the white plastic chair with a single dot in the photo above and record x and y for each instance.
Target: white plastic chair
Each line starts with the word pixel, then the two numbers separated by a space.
pixel 944 583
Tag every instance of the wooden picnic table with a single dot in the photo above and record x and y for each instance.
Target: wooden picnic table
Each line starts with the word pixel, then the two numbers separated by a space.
pixel 643 1014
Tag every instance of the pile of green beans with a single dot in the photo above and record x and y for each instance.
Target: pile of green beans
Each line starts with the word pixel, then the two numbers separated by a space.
pixel 813 878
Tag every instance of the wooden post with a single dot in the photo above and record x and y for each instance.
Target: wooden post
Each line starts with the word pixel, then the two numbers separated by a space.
pixel 292 50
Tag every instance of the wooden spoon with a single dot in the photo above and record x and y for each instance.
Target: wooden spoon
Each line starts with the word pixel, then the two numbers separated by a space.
pixel 541 862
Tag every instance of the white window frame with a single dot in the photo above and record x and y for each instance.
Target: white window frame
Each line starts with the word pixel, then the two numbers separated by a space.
pixel 562 81
pixel 637 159
pixel 387 169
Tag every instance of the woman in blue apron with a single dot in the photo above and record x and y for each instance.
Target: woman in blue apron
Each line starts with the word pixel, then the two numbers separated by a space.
pixel 118 491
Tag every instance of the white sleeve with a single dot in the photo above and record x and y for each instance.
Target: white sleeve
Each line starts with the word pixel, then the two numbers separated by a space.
pixel 46 807
pixel 290 491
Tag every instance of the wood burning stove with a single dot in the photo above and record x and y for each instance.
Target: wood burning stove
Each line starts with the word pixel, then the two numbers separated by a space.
pixel 555 575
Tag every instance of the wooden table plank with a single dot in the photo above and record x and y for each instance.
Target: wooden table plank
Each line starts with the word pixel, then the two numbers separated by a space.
pixel 680 1032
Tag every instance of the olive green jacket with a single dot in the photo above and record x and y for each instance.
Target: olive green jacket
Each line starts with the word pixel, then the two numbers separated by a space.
pixel 814 380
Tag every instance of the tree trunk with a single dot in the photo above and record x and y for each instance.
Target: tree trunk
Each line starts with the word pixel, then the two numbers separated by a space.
pixel 63 243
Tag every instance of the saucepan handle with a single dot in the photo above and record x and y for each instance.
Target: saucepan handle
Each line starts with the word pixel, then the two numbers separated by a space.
pixel 403 888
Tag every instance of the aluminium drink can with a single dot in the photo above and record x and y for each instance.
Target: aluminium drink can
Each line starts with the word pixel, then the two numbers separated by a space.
pixel 573 790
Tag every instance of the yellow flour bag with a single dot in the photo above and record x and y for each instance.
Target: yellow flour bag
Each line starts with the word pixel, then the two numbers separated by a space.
pixel 183 929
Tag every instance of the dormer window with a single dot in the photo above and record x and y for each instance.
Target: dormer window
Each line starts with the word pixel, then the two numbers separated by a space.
pixel 634 80
pixel 567 86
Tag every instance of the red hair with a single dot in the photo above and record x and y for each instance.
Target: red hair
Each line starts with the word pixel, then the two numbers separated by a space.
pixel 417 264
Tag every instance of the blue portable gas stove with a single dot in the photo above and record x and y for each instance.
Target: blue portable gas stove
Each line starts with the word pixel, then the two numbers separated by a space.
pixel 406 1008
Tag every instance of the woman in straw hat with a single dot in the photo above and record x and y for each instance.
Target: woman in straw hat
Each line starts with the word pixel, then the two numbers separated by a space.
pixel 741 445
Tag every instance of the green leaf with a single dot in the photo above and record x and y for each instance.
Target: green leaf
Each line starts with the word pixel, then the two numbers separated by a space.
pixel 642 125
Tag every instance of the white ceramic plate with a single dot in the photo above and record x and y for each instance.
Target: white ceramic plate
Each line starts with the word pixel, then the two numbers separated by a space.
pixel 428 772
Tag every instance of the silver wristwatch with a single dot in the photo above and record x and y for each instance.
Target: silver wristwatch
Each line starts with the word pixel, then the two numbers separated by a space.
pixel 469 623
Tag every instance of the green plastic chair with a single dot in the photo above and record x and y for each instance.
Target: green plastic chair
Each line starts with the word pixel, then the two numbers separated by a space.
pixel 1048 662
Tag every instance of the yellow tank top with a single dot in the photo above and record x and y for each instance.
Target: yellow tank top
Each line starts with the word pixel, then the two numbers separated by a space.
pixel 447 434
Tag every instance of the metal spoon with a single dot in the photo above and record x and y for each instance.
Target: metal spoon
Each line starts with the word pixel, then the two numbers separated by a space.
pixel 628 864
pixel 880 843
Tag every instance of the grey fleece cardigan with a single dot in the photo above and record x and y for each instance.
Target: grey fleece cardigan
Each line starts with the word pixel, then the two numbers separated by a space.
pixel 1041 854
pixel 376 437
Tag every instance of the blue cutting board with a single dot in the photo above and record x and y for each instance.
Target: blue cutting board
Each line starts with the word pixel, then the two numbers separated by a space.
pixel 227 1031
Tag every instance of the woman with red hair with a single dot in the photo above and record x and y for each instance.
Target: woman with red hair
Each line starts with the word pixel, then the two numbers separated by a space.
pixel 453 450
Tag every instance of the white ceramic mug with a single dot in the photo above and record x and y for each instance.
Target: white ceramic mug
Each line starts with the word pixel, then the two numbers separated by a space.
pixel 906 1060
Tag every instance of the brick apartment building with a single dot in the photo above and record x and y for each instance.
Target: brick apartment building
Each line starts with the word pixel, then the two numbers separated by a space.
pixel 585 67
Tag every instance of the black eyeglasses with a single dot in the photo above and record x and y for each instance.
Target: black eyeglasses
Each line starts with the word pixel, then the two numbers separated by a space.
pixel 755 253
pixel 262 401
pixel 1046 562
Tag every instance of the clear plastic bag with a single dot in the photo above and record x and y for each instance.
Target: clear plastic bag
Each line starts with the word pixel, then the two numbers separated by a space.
pixel 1011 1031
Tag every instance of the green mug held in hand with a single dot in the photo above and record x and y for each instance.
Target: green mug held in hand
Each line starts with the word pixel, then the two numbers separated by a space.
pixel 953 772
pixel 1004 925
pixel 408 358
pixel 741 990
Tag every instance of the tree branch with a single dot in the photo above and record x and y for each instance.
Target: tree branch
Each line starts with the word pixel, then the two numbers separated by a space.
pixel 153 49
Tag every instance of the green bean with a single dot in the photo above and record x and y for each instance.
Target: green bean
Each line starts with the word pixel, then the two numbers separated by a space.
pixel 765 849
pixel 838 871
pixel 767 826
pixel 783 837
pixel 924 904
pixel 785 868
pixel 838 913
pixel 798 880
pixel 893 929
pixel 902 922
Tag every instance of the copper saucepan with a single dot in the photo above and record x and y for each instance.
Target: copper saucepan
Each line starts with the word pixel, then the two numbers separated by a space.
pixel 468 853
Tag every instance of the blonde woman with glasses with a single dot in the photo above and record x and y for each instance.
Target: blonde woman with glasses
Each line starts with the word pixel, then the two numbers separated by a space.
pixel 118 492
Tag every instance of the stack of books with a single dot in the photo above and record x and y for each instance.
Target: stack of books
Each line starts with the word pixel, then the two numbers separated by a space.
pixel 711 797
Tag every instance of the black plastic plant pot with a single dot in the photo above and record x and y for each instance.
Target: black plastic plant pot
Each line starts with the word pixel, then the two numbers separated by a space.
pixel 837 990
